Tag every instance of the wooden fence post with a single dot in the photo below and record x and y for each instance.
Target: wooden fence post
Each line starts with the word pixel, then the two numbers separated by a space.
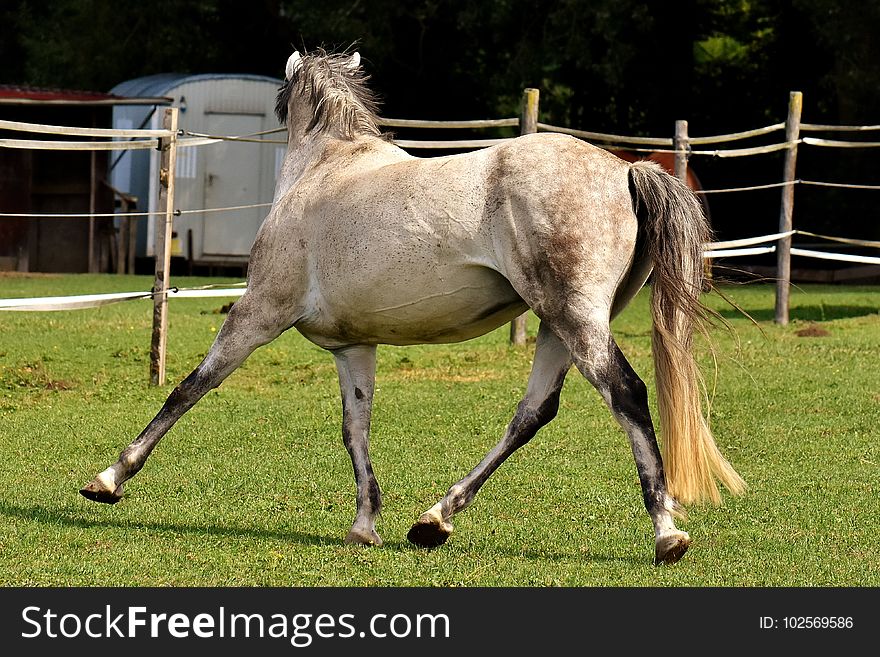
pixel 93 183
pixel 132 223
pixel 121 238
pixel 528 124
pixel 168 162
pixel 680 146
pixel 783 247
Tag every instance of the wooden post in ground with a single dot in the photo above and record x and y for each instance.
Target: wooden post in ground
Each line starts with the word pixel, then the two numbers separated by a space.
pixel 528 124
pixel 680 146
pixel 164 225
pixel 93 183
pixel 783 247
pixel 125 236
pixel 122 237
pixel 132 223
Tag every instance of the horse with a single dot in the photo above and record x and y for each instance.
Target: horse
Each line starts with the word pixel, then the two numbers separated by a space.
pixel 366 244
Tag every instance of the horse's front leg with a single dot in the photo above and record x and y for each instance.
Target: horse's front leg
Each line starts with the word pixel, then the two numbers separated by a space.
pixel 357 373
pixel 247 327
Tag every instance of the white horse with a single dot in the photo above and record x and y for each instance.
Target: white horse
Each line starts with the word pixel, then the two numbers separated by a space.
pixel 367 245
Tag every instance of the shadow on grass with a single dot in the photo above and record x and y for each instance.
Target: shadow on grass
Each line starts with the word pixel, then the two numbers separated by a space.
pixel 530 555
pixel 576 557
pixel 70 518
pixel 817 313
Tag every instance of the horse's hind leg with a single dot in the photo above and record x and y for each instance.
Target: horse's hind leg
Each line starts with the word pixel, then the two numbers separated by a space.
pixel 600 360
pixel 357 373
pixel 246 327
pixel 537 408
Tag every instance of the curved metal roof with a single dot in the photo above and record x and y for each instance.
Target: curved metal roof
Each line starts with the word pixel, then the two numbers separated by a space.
pixel 161 84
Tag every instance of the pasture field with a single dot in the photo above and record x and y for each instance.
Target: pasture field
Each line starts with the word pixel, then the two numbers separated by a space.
pixel 254 488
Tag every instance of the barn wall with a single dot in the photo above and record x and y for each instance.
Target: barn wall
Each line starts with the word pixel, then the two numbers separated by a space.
pixel 50 181
pixel 15 196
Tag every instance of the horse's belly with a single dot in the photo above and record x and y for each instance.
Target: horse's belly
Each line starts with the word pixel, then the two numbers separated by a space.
pixel 449 307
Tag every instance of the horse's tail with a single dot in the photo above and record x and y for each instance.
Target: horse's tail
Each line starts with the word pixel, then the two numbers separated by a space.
pixel 676 231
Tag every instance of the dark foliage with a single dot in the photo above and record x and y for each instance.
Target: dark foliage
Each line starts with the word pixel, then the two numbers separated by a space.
pixel 624 66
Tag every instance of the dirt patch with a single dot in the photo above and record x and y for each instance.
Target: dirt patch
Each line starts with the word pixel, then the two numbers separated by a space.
pixel 58 385
pixel 812 331
pixel 31 377
pixel 222 310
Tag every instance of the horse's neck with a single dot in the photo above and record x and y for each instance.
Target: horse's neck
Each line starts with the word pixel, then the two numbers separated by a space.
pixel 301 153
pixel 303 156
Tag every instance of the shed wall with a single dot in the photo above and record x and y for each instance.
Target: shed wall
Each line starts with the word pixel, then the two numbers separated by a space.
pixel 217 175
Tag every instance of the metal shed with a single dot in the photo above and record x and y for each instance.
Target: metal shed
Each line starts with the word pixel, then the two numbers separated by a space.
pixel 218 175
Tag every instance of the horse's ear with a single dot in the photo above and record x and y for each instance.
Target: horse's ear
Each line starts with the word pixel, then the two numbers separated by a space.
pixel 354 62
pixel 294 63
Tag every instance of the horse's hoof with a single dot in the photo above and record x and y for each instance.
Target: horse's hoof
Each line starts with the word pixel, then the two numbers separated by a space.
pixel 671 547
pixel 96 491
pixel 428 532
pixel 361 537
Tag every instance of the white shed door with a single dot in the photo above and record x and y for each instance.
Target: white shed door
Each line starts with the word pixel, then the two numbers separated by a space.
pixel 232 177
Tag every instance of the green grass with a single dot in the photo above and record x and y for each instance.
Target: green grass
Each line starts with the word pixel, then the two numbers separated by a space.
pixel 253 486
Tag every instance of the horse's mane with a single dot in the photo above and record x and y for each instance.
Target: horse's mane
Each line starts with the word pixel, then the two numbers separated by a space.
pixel 337 93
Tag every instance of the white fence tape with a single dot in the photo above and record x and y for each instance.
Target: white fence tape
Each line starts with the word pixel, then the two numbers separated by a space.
pixel 72 302
pixel 732 253
pixel 749 241
pixel 80 132
pixel 82 301
pixel 821 255
pixel 41 145
pixel 834 143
